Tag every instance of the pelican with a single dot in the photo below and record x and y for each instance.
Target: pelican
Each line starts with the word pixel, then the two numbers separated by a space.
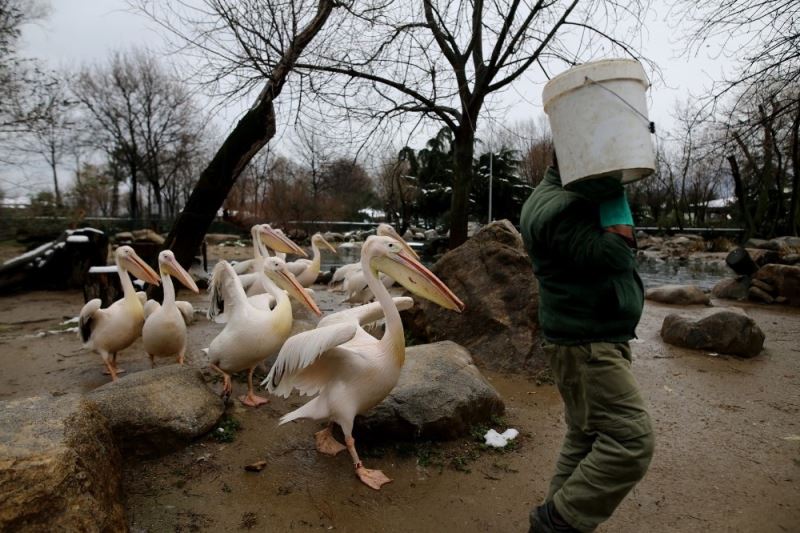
pixel 350 370
pixel 110 330
pixel 345 271
pixel 307 270
pixel 357 290
pixel 164 331
pixel 251 334
pixel 278 242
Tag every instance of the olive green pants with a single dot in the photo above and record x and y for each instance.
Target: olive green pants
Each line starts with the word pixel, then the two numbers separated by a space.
pixel 609 440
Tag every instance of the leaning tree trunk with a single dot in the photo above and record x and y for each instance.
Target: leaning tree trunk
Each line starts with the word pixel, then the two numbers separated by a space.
pixel 794 223
pixel 249 135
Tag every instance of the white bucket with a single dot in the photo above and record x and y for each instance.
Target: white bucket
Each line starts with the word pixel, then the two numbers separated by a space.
pixel 598 117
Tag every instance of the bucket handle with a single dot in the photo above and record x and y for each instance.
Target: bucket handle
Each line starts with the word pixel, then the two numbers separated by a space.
pixel 650 124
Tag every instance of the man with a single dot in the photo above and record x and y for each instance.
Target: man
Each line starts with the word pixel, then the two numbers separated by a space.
pixel 590 301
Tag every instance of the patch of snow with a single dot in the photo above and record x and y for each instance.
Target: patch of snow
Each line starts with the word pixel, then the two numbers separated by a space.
pixel 77 238
pixel 32 253
pixel 94 230
pixel 500 440
pixel 110 269
pixel 73 320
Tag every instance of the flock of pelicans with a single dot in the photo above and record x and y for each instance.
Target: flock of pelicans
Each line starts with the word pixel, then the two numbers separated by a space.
pixel 345 368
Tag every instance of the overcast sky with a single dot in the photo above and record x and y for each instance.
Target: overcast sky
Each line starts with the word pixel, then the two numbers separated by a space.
pixel 78 32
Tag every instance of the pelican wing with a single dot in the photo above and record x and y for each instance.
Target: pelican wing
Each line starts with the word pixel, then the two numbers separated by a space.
pixel 343 271
pixel 243 267
pixel 225 290
pixel 150 307
pixel 365 314
pixel 85 320
pixel 302 363
pixel 186 309
pixel 299 266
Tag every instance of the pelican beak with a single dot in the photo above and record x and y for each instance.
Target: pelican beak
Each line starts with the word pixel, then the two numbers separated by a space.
pixel 173 268
pixel 330 247
pixel 390 232
pixel 412 275
pixel 136 266
pixel 279 242
pixel 286 281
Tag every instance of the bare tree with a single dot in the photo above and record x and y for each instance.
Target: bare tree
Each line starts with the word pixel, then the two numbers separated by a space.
pixel 445 60
pixel 143 117
pixel 248 44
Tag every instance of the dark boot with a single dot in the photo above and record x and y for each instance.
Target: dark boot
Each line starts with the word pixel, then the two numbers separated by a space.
pixel 545 519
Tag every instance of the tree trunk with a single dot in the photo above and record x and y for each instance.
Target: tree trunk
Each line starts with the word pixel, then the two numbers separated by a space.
pixel 249 135
pixel 794 224
pixel 740 196
pixel 463 151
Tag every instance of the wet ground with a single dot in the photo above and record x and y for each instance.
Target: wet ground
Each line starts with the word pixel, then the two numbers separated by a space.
pixel 727 458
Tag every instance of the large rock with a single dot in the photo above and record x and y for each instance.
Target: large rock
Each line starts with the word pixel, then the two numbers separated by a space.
pixel 732 288
pixel 156 411
pixel 722 331
pixel 678 295
pixel 441 395
pixel 59 467
pixel 492 274
pixel 785 279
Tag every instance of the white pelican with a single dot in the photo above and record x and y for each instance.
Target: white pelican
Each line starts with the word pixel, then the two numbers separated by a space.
pixel 266 238
pixel 357 290
pixel 110 330
pixel 307 270
pixel 349 369
pixel 345 271
pixel 251 334
pixel 164 331
pixel 247 266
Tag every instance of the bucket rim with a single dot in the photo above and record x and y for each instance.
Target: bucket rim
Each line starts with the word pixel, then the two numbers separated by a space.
pixel 602 70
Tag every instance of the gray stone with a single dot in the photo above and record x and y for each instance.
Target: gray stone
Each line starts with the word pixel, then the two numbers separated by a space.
pixel 156 411
pixel 785 279
pixel 59 467
pixel 791 259
pixel 732 288
pixel 759 295
pixel 722 331
pixel 764 257
pixel 764 286
pixel 678 295
pixel 430 234
pixel 492 274
pixel 754 243
pixel 441 395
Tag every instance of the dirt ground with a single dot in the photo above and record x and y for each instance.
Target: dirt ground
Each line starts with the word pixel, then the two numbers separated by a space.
pixel 727 458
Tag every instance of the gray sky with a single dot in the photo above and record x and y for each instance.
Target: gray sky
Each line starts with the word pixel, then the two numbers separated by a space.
pixel 78 32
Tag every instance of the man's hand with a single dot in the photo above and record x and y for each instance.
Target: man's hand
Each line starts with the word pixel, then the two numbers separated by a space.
pixel 624 231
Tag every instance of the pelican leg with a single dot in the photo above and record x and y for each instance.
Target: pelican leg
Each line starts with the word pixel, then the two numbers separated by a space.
pixel 227 386
pixel 152 360
pixel 117 370
pixel 110 370
pixel 251 399
pixel 181 356
pixel 374 479
pixel 326 443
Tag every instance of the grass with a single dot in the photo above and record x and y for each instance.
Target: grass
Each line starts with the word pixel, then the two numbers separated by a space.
pixel 226 429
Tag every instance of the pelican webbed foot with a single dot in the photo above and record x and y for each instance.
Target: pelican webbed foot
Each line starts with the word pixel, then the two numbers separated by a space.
pixel 327 444
pixel 252 400
pixel 374 479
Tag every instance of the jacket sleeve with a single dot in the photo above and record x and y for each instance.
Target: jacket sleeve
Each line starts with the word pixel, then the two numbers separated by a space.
pixel 576 237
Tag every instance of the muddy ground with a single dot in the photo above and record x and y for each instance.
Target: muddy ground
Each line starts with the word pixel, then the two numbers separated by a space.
pixel 727 458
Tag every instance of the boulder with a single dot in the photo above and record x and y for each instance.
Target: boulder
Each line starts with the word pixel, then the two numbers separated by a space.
pixel 147 235
pixel 722 331
pixel 732 288
pixel 678 295
pixel 493 276
pixel 785 279
pixel 441 394
pixel 430 234
pixel 156 411
pixel 763 257
pixel 754 243
pixel 217 238
pixel 764 286
pixel 59 467
pixel 791 259
pixel 759 295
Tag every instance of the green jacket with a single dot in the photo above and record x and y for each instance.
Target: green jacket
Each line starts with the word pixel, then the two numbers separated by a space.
pixel 589 290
